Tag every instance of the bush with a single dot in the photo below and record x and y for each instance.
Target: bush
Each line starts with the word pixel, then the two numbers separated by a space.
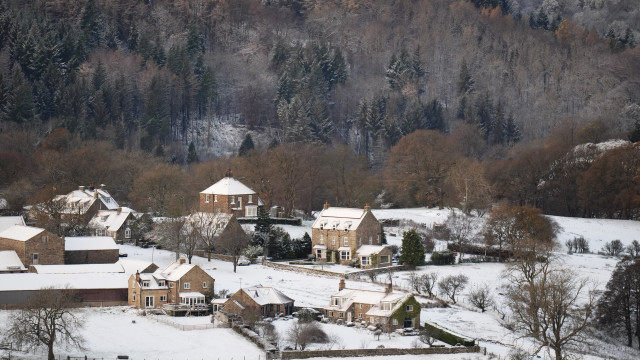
pixel 480 250
pixel 442 258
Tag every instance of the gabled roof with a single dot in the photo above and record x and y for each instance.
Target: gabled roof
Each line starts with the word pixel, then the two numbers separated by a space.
pixel 130 266
pixel 175 271
pixel 31 281
pixel 78 243
pixel 20 232
pixel 8 221
pixel 263 295
pixel 79 269
pixel 9 261
pixel 368 250
pixel 369 297
pixel 110 219
pixel 78 201
pixel 340 218
pixel 154 281
pixel 228 186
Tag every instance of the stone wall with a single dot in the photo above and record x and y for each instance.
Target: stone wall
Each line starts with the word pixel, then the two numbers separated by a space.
pixel 294 354
pixel 108 256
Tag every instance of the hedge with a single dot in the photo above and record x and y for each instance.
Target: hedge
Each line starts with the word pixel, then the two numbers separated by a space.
pixel 450 338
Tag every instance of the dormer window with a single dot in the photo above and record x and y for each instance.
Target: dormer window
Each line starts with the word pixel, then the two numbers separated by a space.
pixel 335 301
pixel 161 283
pixel 386 306
pixel 145 283
pixel 103 217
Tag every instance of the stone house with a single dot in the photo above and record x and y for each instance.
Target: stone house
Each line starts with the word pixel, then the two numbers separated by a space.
pixel 257 302
pixel 387 309
pixel 230 196
pixel 340 234
pixel 90 250
pixel 10 262
pixel 33 245
pixel 8 221
pixel 179 284
pixel 116 223
pixel 85 202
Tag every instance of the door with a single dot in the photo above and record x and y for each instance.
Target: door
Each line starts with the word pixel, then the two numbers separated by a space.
pixel 348 317
pixel 35 259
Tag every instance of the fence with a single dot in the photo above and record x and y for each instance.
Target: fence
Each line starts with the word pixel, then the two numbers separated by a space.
pixel 181 326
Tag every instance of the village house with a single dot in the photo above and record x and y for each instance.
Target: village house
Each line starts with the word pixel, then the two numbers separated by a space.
pixel 116 223
pixel 10 262
pixel 349 236
pixel 33 245
pixel 256 302
pixel 90 250
pixel 179 288
pixel 230 196
pixel 85 201
pixel 387 308
pixel 8 221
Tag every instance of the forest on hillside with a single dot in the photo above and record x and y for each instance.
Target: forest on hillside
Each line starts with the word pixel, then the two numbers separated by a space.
pixel 397 103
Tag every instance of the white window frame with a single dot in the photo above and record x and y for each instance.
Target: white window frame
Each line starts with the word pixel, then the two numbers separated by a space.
pixel 395 321
pixel 250 199
pixel 127 233
pixel 146 283
pixel 45 239
pixel 206 198
pixel 387 257
pixel 345 241
pixel 345 255
pixel 365 260
pixel 163 298
pixel 215 198
pixel 147 303
pixel 409 307
pixel 321 239
pixel 187 286
pixel 161 283
pixel 204 284
pixel 360 316
pixel 333 241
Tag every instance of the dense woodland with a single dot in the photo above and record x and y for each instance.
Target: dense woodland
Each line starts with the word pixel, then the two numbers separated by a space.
pixel 393 103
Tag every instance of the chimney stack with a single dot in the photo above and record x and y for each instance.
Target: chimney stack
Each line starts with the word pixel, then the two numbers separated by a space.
pixel 326 205
pixel 367 207
pixel 389 289
pixel 138 276
pixel 229 173
pixel 341 285
pixel 182 260
pixel 81 187
pixel 118 210
pixel 95 193
pixel 102 186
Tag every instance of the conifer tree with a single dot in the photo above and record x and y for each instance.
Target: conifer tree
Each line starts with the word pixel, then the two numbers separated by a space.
pixel 246 146
pixel 412 251
pixel 192 156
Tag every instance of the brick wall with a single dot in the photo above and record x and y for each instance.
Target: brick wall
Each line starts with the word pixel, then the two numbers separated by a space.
pixel 294 354
pixel 91 256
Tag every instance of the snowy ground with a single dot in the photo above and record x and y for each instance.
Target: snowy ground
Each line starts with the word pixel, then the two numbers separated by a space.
pixel 110 331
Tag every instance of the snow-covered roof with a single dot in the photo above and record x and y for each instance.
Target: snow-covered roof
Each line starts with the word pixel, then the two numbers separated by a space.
pixel 8 221
pixel 228 186
pixel 130 266
pixel 267 295
pixel 191 294
pixel 9 261
pixel 79 269
pixel 111 220
pixel 339 218
pixel 32 281
pixel 153 281
pixel 368 250
pixel 79 200
pixel 78 243
pixel 175 271
pixel 20 232
pixel 219 301
pixel 395 301
pixel 370 297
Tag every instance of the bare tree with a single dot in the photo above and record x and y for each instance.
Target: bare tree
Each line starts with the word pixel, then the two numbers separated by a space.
pixel 48 319
pixel 428 282
pixel 415 281
pixel 302 334
pixel 171 234
pixel 234 242
pixel 480 297
pixel 634 249
pixel 429 335
pixel 209 226
pixel 461 229
pixel 613 248
pixel 452 284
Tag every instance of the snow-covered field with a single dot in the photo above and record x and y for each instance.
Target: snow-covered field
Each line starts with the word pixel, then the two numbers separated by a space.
pixel 110 331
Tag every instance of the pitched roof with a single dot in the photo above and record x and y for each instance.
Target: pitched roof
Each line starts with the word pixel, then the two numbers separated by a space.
pixel 110 219
pixel 31 281
pixel 130 266
pixel 267 295
pixel 175 271
pixel 20 232
pixel 8 221
pixel 78 201
pixel 78 243
pixel 9 261
pixel 228 186
pixel 79 269
pixel 368 250
pixel 340 218
pixel 370 297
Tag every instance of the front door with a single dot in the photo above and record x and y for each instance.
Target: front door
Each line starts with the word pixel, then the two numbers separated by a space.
pixel 35 259
pixel 348 317
pixel 408 323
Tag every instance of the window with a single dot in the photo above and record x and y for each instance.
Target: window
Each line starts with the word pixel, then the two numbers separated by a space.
pixel 161 283
pixel 145 283
pixel 386 306
pixel 341 315
pixel 204 285
pixel 319 253
pixel 163 298
pixel 148 301
pixel 364 260
pixel 395 322
pixel 333 240
pixel 215 198
pixel 173 298
pixel 336 301
pixel 372 320
pixel 345 255
pixel 171 285
pixel 321 239
pixel 360 306
pixel 134 298
pixel 378 239
pixel 45 239
pixel 360 316
pixel 35 258
pixel 250 199
pixel 409 307
pixel 127 233
pixel 345 241
pixel 251 211
pixel 233 200
pixel 331 313
pixel 384 259
pixel 187 286
pixel 370 240
pixel 359 241
pixel 206 198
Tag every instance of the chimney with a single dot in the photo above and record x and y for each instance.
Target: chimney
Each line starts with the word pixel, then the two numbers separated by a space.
pixel 137 276
pixel 389 288
pixel 81 187
pixel 367 208
pixel 95 193
pixel 102 186
pixel 182 260
pixel 326 205
pixel 118 210
pixel 229 173
pixel 341 285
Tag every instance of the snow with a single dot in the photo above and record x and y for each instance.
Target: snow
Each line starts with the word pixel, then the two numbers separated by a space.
pixel 8 221
pixel 9 261
pixel 113 219
pixel 264 295
pixel 20 232
pixel 175 271
pixel 79 243
pixel 33 281
pixel 78 269
pixel 367 250
pixel 339 218
pixel 229 186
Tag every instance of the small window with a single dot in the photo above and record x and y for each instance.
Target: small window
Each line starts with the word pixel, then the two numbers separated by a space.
pixel 161 283
pixel 345 255
pixel 35 257
pixel 127 233
pixel 372 320
pixel 187 286
pixel 134 298
pixel 321 239
pixel 409 307
pixel 233 200
pixel 206 198
pixel 145 283
pixel 395 322
pixel 45 239
pixel 331 313
pixel 360 305
pixel 171 285
pixel 370 240
pixel 333 240
pixel 215 198
pixel 364 260
pixel 163 298
pixel 250 199
pixel 360 316
pixel 173 298
pixel 341 315
pixel 345 241
pixel 204 285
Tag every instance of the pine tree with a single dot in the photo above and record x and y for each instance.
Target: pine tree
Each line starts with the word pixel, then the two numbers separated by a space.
pixel 192 156
pixel 465 81
pixel 246 146
pixel 20 107
pixel 91 25
pixel 412 251
pixel 195 41
pixel 263 223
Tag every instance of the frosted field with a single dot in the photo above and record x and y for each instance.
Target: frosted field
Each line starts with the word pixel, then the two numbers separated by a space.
pixel 110 331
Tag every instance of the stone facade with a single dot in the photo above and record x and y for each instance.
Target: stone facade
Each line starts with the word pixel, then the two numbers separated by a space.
pixel 107 256
pixel 44 248
pixel 196 280
pixel 230 196
pixel 299 354
pixel 241 303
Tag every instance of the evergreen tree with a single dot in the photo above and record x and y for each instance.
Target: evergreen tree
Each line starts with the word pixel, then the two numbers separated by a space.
pixel 263 226
pixel 159 151
pixel 465 81
pixel 412 251
pixel 195 41
pixel 246 146
pixel 91 25
pixel 207 90
pixel 634 135
pixel 19 106
pixel 192 156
